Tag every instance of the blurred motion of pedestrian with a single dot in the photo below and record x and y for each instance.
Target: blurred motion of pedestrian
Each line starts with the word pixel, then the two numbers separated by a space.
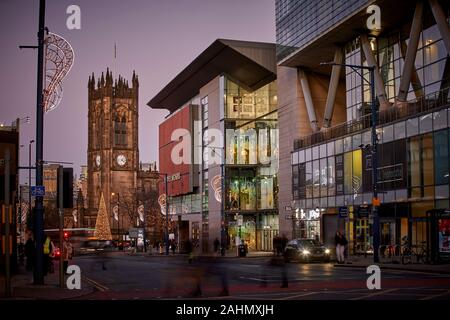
pixel 67 251
pixel 29 253
pixel 216 246
pixel 173 246
pixel 21 253
pixel 190 250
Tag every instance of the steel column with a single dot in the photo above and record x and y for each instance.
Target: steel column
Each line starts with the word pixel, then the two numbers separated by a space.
pixel 332 88
pixel 411 51
pixel 308 99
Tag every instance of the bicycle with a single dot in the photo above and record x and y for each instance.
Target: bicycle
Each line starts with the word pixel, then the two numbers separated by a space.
pixel 421 253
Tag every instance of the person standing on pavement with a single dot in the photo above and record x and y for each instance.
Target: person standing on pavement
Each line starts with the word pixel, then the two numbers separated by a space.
pixel 48 252
pixel 340 242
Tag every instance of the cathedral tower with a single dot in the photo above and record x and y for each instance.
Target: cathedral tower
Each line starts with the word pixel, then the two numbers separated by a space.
pixel 112 155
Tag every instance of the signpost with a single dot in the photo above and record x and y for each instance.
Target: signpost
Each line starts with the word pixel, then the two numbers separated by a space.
pixel 38 191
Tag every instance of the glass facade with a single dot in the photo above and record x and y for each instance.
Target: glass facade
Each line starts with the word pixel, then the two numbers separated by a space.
pixel 251 158
pixel 390 51
pixel 413 177
pixel 299 22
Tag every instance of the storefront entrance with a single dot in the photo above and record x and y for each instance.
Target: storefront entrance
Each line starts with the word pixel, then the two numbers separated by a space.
pixel 255 230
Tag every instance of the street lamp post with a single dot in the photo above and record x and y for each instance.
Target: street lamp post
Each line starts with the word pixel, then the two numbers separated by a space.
pixel 373 149
pixel 29 176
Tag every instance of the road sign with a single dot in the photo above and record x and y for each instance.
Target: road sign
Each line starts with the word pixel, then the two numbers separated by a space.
pixel 343 212
pixel 133 232
pixel 376 202
pixel 37 191
pixel 363 211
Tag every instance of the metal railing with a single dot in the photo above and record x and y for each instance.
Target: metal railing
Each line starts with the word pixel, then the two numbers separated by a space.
pixel 400 110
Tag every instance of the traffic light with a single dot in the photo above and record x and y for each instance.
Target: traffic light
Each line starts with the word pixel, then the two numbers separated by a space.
pixel 66 234
pixel 67 188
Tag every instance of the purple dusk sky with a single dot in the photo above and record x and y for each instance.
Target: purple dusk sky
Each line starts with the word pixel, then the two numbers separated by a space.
pixel 157 38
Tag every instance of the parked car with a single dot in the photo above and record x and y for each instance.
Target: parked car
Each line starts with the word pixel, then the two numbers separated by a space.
pixel 306 250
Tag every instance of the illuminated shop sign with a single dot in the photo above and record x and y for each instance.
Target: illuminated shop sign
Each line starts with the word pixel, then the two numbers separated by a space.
pixel 309 214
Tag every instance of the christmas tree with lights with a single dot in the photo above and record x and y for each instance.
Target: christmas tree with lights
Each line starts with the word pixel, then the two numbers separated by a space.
pixel 102 229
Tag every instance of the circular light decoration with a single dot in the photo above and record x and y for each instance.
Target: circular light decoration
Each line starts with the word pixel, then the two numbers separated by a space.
pixel 75 215
pixel 116 212
pixel 216 184
pixel 162 203
pixel 141 212
pixel 59 58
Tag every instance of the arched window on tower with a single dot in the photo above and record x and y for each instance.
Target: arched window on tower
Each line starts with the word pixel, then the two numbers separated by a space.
pixel 120 131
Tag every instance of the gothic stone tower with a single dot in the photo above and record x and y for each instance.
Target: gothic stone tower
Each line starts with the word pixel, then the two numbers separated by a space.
pixel 112 154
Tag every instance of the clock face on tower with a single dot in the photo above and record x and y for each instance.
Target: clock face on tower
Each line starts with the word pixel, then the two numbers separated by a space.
pixel 121 160
pixel 98 160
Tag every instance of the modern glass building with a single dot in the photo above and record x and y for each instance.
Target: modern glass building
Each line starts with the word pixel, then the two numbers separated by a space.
pixel 330 165
pixel 229 190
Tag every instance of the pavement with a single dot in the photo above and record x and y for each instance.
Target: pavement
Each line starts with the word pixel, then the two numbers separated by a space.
pixel 22 287
pixel 394 264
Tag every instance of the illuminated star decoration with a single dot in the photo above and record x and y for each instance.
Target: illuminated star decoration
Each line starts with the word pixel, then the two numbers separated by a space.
pixel 59 57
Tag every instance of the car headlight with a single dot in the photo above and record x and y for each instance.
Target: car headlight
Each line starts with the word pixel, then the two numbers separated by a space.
pixel 305 252
pixel 327 251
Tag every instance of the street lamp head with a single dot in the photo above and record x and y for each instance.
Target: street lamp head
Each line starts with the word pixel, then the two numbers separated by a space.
pixel 329 63
pixel 31 141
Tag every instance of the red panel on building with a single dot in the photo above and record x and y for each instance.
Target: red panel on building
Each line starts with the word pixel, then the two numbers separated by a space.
pixel 180 175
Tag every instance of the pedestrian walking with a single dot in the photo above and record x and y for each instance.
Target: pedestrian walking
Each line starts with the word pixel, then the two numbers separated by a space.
pixel 216 246
pixel 340 242
pixel 29 253
pixel 173 246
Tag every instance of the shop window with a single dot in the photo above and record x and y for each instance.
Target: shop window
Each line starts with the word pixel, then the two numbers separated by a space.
pixel 441 192
pixel 309 179
pixel 440 120
pixel 348 184
pixel 347 144
pixel 331 176
pixel 399 130
pixel 315 153
pixel 388 133
pixel 412 127
pixel 316 178
pixel 308 154
pixel 323 177
pixel 330 148
pixel 301 157
pixel 441 157
pixel 339 146
pixel 426 123
pixel 356 140
pixel 323 150
pixel 414 172
pixel 427 160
